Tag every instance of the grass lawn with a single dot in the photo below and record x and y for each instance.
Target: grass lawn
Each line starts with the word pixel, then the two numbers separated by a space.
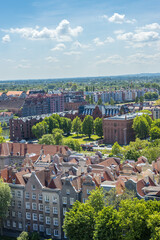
pixel 82 139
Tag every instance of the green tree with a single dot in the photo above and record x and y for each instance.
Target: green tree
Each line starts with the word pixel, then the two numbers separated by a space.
pixel 52 123
pixel 40 129
pixel 98 127
pixel 132 154
pixel 155 133
pixel 108 225
pixel 58 137
pixel 23 236
pixel 116 149
pixel 112 198
pixel 47 139
pixel 87 98
pixel 96 199
pixel 141 99
pixel 112 101
pixel 2 139
pixel 153 223
pixel 88 125
pixel 99 101
pixel 79 222
pixel 134 214
pixel 91 99
pixel 4 124
pixel 66 125
pixel 76 125
pixel 136 100
pixel 73 144
pixel 141 126
pixel 5 200
pixel 74 87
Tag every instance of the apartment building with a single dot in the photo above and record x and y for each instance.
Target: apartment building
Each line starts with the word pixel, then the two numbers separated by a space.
pixel 5 117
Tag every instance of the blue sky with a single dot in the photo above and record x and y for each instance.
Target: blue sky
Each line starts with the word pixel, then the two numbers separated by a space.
pixel 70 38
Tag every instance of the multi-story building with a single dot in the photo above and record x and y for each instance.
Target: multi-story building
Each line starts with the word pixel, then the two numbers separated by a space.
pixel 5 117
pixel 119 128
pixel 37 104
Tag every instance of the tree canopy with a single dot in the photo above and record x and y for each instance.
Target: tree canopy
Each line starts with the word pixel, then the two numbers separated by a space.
pixel 76 125
pixel 98 126
pixel 88 125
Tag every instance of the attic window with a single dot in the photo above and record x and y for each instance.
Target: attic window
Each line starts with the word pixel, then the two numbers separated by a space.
pixel 33 187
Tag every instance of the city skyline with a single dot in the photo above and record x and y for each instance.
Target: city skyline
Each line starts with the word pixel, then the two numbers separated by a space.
pixel 62 39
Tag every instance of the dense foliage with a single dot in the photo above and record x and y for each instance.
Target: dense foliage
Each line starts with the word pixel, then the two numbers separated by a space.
pixel 133 219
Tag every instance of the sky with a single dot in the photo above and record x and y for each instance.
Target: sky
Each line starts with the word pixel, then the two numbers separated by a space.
pixel 70 38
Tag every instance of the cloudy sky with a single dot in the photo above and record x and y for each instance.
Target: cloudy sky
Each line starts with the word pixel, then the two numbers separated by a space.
pixel 76 38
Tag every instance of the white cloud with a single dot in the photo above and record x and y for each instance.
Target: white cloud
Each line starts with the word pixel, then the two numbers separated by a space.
pixel 23 66
pixel 6 38
pixel 51 59
pixel 77 44
pixel 141 58
pixel 63 32
pixel 152 26
pixel 59 47
pixel 139 37
pixel 118 18
pixel 98 42
pixel 72 53
pixel 114 59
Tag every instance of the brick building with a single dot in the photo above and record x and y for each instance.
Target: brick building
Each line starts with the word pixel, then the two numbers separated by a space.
pixel 119 128
pixel 21 128
pixel 37 104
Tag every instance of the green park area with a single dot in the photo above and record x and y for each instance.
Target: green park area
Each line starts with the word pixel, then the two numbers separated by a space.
pixel 82 139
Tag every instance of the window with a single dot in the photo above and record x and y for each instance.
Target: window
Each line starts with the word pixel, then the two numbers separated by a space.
pixel 33 187
pixel 64 200
pixel 14 224
pixel 35 227
pixel 48 220
pixel 34 206
pixel 8 223
pixel 34 216
pixel 71 201
pixel 13 214
pixel 55 210
pixel 19 204
pixel 33 196
pixel 46 198
pixel 28 215
pixel 19 194
pixel 19 214
pixel 13 193
pixel 56 233
pixel 27 205
pixel 41 218
pixel 64 211
pixel 54 199
pixel 41 228
pixel 48 231
pixel 67 191
pixel 47 209
pixel 40 207
pixel 55 221
pixel 20 225
pixel 40 197
pixel 27 195
pixel 13 203
pixel 88 191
